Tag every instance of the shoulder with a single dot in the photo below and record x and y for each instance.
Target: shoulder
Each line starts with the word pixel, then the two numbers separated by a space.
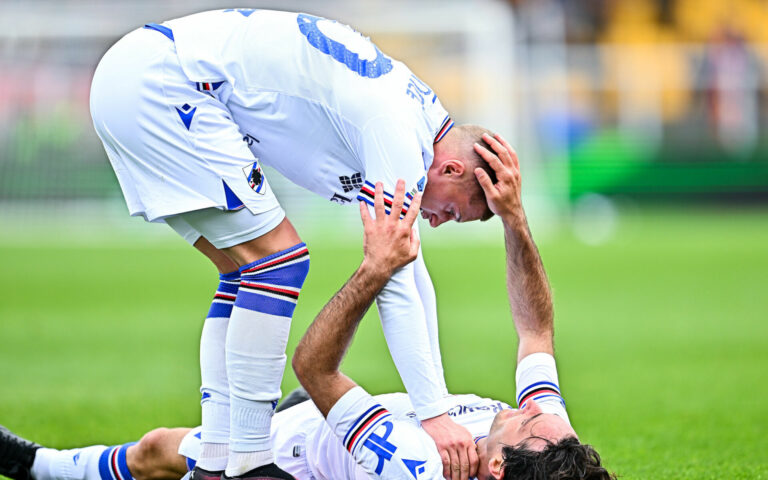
pixel 384 446
pixel 397 448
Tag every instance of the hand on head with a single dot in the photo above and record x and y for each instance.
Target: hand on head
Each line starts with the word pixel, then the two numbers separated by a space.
pixel 503 196
pixel 389 242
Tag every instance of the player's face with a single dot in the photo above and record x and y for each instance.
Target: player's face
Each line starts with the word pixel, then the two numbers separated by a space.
pixel 446 198
pixel 517 427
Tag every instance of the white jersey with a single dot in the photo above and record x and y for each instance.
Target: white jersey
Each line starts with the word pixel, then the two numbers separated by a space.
pixel 182 109
pixel 379 436
pixel 327 109
pixel 317 101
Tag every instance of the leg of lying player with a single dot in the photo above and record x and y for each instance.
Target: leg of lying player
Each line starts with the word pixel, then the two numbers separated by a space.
pixel 154 457
pixel 162 454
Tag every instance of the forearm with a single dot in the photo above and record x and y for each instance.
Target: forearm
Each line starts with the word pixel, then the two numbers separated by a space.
pixel 404 322
pixel 319 353
pixel 429 304
pixel 530 296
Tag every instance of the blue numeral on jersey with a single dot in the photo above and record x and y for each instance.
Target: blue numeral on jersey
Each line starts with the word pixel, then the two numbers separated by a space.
pixel 381 446
pixel 375 68
pixel 418 90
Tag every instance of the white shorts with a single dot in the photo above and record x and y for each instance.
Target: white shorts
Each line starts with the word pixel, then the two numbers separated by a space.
pixel 174 146
pixel 224 229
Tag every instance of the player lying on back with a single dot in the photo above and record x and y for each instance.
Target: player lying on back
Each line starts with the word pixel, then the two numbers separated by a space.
pixel 380 437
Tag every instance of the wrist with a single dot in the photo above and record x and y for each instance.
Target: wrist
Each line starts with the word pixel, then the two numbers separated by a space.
pixel 515 221
pixel 374 272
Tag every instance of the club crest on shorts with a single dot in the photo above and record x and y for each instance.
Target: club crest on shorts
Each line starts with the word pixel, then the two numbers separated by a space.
pixel 255 178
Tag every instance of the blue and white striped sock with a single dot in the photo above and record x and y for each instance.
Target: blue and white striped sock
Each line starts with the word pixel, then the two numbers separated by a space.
pixel 256 340
pixel 90 463
pixel 112 463
pixel 213 372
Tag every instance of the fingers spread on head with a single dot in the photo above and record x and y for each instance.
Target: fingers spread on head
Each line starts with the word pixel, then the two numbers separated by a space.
pixel 485 181
pixel 490 158
pixel 378 202
pixel 502 152
pixel 512 152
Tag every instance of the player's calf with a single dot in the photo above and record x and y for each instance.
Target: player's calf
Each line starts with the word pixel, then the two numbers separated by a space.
pixel 256 340
pixel 156 457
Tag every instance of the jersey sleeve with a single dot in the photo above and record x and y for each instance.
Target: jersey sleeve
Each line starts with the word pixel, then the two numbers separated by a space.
pixel 429 302
pixel 536 379
pixel 384 446
pixel 406 304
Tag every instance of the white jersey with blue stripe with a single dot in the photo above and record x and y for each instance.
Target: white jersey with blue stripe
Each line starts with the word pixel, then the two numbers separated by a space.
pixel 379 436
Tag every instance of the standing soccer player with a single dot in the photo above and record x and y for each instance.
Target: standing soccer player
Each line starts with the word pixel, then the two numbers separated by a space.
pixel 184 107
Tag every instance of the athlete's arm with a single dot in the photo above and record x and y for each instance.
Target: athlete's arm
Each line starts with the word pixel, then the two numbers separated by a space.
pixel 530 296
pixel 389 243
pixel 407 307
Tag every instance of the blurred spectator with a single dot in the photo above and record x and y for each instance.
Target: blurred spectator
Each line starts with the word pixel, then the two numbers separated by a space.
pixel 731 94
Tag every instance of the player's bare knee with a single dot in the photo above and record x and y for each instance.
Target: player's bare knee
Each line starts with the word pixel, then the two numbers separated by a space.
pixel 282 237
pixel 148 458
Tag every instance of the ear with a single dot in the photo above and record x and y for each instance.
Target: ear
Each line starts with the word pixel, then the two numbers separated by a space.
pixel 494 467
pixel 452 167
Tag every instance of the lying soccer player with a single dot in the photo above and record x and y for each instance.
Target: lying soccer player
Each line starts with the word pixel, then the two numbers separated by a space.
pixel 364 436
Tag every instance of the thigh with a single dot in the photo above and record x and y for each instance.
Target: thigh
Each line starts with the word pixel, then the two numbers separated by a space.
pixel 223 263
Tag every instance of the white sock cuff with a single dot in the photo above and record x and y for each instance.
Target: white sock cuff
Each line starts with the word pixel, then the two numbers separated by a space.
pixel 243 462
pixel 213 456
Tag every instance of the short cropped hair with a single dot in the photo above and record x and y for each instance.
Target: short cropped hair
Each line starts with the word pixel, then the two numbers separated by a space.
pixel 565 460
pixel 468 136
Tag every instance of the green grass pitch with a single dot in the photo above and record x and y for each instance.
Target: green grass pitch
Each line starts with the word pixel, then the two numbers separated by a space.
pixel 661 338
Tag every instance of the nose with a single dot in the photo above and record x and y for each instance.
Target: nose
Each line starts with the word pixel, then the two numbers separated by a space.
pixel 435 220
pixel 531 407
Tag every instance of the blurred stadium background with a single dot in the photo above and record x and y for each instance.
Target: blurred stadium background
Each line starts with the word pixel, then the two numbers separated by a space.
pixel 641 125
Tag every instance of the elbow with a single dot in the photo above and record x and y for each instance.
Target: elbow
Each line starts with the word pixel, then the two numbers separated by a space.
pixel 300 364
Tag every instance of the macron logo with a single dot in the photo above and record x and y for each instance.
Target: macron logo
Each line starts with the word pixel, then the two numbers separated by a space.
pixel 186 113
pixel 416 467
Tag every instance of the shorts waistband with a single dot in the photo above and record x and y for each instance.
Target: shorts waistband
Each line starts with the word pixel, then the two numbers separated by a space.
pixel 160 28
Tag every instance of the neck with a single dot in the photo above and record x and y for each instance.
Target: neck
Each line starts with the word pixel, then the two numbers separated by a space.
pixel 482 456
